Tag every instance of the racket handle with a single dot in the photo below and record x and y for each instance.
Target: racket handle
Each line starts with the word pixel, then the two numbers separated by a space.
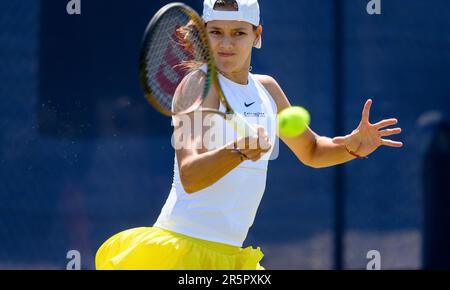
pixel 240 125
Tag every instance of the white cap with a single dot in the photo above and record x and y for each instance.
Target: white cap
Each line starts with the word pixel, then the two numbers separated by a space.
pixel 248 11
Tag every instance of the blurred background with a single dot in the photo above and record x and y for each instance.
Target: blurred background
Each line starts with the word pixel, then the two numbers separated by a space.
pixel 83 156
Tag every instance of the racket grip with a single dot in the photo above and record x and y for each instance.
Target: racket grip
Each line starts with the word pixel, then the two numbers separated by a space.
pixel 240 125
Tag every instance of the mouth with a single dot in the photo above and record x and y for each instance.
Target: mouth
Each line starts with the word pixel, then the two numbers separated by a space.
pixel 224 54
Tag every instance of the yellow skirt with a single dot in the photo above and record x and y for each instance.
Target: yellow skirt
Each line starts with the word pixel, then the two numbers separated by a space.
pixel 154 248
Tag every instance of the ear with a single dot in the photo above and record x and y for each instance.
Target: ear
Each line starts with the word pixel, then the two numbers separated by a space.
pixel 258 33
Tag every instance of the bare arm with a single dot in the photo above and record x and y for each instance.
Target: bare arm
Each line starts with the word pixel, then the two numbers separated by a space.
pixel 200 167
pixel 199 171
pixel 320 151
pixel 303 145
pixel 326 153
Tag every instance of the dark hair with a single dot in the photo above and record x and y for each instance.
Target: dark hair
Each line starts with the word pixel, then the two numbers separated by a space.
pixel 226 5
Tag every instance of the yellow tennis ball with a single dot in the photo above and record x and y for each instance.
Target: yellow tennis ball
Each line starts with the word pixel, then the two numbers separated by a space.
pixel 293 121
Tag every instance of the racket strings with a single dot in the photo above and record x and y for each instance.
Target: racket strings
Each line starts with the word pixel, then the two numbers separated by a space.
pixel 175 48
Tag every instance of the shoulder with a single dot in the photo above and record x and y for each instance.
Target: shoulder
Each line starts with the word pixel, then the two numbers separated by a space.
pixel 265 80
pixel 272 86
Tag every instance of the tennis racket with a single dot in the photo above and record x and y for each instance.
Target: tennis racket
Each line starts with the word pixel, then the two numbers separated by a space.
pixel 175 45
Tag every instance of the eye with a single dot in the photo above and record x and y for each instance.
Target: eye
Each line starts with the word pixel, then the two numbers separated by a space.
pixel 240 33
pixel 214 32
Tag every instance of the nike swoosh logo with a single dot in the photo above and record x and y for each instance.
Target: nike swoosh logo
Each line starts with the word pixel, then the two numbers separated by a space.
pixel 248 105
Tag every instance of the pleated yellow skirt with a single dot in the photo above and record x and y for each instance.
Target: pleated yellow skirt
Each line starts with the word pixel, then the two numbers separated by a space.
pixel 154 248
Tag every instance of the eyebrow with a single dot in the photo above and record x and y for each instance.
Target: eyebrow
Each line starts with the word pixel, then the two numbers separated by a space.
pixel 218 28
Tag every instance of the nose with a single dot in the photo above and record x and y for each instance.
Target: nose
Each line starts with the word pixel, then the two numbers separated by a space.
pixel 227 42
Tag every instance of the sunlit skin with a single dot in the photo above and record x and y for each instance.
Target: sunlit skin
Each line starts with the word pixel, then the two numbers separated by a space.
pixel 232 43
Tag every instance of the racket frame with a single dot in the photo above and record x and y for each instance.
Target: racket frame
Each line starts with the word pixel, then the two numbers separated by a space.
pixel 237 121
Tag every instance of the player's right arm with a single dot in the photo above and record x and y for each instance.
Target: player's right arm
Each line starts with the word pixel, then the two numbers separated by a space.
pixel 198 167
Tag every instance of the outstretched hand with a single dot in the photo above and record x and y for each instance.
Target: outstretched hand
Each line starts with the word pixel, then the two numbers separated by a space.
pixel 368 137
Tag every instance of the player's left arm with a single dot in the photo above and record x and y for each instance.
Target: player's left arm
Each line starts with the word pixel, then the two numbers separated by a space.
pixel 321 151
pixel 303 145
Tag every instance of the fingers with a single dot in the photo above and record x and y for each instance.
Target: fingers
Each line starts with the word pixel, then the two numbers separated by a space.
pixel 261 132
pixel 342 140
pixel 264 143
pixel 385 123
pixel 255 143
pixel 389 132
pixel 366 111
pixel 253 154
pixel 339 140
pixel 263 140
pixel 391 143
pixel 256 157
pixel 254 147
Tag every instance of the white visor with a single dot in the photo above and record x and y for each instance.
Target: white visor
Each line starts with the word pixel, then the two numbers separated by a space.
pixel 248 11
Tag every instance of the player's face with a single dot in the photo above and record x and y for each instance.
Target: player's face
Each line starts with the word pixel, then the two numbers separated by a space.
pixel 232 43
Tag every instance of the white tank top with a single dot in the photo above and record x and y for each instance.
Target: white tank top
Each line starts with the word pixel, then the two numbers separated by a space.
pixel 225 211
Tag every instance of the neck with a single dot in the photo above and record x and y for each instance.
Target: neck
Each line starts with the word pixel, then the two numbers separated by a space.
pixel 240 77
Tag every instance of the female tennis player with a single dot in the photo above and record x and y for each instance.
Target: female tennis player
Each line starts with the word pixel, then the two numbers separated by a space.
pixel 216 192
